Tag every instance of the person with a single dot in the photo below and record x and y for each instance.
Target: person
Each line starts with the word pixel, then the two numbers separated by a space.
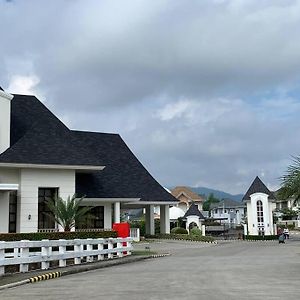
pixel 281 239
pixel 286 233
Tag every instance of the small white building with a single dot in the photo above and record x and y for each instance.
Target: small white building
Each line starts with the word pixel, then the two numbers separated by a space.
pixel 260 203
pixel 194 217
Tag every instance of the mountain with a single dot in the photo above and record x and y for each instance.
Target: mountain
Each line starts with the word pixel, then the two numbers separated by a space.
pixel 218 194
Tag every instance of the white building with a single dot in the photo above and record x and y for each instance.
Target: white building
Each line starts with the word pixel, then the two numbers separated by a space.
pixel 260 203
pixel 41 158
pixel 193 217
pixel 233 212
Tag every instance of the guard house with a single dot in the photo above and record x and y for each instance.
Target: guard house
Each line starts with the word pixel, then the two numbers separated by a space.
pixel 260 203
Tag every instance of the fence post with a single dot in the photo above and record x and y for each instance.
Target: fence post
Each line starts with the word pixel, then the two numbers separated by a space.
pixel 89 247
pixel 110 246
pixel 62 251
pixel 2 257
pixel 120 246
pixel 128 246
pixel 77 250
pixel 24 253
pixel 100 248
pixel 45 251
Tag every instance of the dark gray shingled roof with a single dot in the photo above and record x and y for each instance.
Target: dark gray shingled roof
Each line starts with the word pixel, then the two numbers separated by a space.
pixel 39 137
pixel 193 211
pixel 258 186
pixel 227 203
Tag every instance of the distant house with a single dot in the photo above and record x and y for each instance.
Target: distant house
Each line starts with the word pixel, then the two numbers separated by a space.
pixel 232 211
pixel 41 158
pixel 261 203
pixel 186 197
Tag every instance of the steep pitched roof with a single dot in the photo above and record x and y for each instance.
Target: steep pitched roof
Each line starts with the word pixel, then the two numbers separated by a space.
pixel 39 137
pixel 227 203
pixel 123 176
pixel 258 186
pixel 193 211
pixel 178 190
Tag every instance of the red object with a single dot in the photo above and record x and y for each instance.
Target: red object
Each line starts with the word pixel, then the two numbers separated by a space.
pixel 123 229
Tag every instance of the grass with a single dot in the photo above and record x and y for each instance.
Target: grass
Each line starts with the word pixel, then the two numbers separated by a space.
pixel 143 252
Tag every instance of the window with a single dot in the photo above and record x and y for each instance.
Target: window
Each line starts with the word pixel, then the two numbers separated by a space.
pixel 94 219
pixel 13 211
pixel 260 217
pixel 44 220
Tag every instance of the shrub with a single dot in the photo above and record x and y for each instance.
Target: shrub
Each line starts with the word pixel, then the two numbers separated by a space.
pixel 179 230
pixel 185 237
pixel 261 237
pixel 37 236
pixel 195 232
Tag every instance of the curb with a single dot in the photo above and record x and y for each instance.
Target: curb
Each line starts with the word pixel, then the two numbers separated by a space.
pixel 46 276
pixel 204 242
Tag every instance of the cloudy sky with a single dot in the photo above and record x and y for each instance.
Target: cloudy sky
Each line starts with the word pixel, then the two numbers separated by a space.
pixel 206 93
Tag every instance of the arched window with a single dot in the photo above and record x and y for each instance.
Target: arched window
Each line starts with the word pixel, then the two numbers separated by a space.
pixel 260 217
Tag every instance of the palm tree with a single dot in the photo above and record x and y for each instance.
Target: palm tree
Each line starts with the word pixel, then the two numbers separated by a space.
pixel 68 212
pixel 290 181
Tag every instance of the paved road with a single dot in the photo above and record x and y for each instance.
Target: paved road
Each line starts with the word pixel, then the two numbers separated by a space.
pixel 229 270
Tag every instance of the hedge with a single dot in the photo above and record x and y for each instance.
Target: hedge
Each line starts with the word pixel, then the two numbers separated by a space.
pixel 181 237
pixel 37 236
pixel 261 237
pixel 179 230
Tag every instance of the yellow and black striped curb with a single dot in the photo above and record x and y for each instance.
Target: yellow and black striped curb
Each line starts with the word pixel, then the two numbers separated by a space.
pixel 160 255
pixel 45 277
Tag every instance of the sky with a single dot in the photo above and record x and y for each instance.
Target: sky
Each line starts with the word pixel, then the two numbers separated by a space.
pixel 205 93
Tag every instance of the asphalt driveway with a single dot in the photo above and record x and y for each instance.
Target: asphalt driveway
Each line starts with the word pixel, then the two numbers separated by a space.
pixel 229 270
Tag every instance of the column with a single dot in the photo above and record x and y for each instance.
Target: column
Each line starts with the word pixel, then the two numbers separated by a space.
pixel 164 219
pixel 4 211
pixel 107 216
pixel 117 212
pixel 150 219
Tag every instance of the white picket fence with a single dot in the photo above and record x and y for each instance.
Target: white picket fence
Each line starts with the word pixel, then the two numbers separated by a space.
pixel 25 252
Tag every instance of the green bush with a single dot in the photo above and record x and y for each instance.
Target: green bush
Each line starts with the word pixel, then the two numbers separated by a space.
pixel 195 232
pixel 261 237
pixel 289 226
pixel 185 237
pixel 37 236
pixel 179 230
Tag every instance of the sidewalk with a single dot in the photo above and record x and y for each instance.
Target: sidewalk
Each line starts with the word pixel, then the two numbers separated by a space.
pixel 11 280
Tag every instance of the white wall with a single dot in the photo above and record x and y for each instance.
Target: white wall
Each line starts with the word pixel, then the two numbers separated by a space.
pixel 5 100
pixel 8 175
pixel 30 181
pixel 4 211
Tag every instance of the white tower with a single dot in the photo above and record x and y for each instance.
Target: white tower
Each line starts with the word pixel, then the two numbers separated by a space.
pixel 5 103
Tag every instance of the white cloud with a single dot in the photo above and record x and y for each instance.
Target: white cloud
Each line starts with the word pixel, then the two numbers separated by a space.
pixel 26 85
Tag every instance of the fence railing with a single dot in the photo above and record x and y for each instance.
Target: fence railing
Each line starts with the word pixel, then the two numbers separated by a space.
pixel 24 253
pixel 135 234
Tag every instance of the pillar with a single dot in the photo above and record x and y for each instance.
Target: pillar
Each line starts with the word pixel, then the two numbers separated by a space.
pixel 4 211
pixel 150 220
pixel 107 216
pixel 117 212
pixel 164 219
pixel 203 230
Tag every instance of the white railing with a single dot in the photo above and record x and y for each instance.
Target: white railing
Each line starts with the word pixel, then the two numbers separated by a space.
pixel 25 252
pixel 135 234
pixel 48 230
